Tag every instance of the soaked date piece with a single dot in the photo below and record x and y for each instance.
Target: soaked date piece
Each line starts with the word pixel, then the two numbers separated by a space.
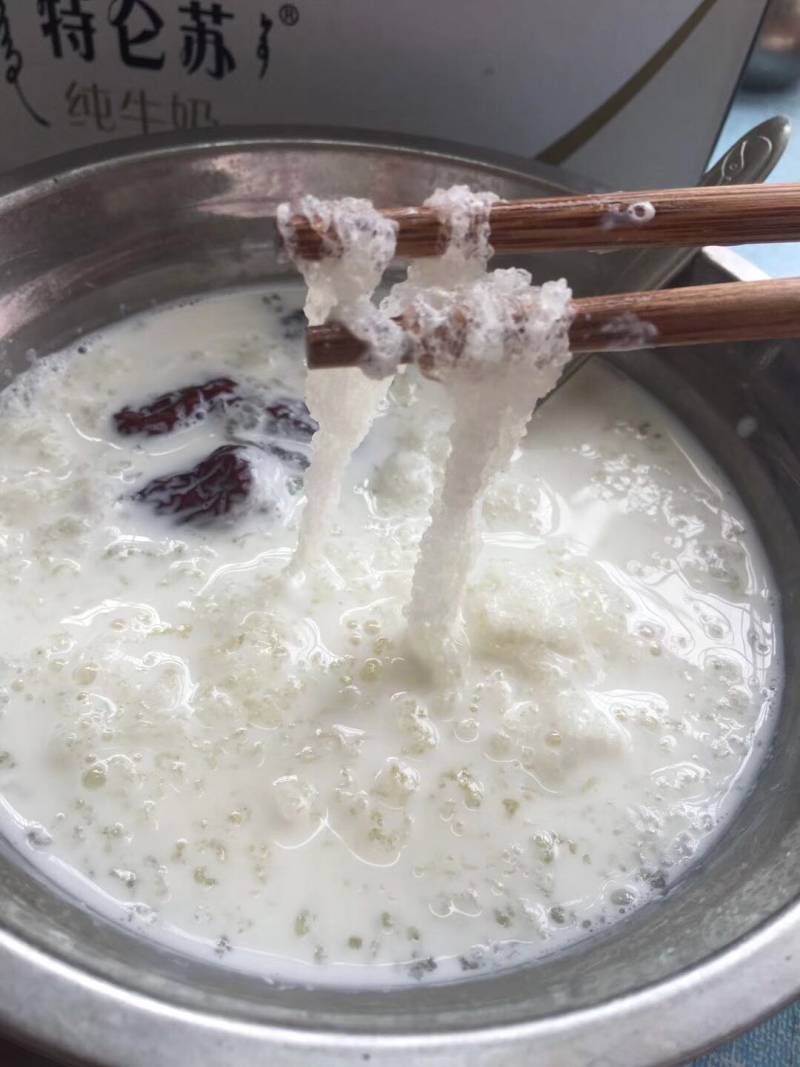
pixel 271 420
pixel 259 418
pixel 219 485
pixel 289 417
pixel 172 410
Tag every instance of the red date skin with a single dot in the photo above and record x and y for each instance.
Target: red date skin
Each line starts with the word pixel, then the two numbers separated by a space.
pixel 172 410
pixel 218 485
pixel 221 484
pixel 283 416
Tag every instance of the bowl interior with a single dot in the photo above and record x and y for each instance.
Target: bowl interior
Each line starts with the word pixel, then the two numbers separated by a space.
pixel 111 237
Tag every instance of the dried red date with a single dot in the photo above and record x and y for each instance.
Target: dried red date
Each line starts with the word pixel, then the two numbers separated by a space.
pixel 171 410
pixel 222 483
pixel 217 486
pixel 289 417
pixel 283 416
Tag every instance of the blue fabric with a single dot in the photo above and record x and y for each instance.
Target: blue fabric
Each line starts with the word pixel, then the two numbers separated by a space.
pixel 775 1043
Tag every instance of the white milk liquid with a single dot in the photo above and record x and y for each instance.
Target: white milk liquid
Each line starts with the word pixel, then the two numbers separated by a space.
pixel 255 769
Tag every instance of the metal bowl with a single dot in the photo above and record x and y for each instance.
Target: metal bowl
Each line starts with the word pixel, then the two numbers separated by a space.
pixel 95 236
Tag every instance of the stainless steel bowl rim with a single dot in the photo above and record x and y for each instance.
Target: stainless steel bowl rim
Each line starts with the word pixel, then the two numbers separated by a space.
pixel 87 1017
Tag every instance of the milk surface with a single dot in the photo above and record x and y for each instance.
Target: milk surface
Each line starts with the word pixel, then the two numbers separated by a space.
pixel 254 766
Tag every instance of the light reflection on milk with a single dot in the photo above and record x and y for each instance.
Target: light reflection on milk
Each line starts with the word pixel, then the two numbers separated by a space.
pixel 251 768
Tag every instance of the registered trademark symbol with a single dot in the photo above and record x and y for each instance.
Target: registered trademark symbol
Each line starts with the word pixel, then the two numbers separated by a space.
pixel 289 15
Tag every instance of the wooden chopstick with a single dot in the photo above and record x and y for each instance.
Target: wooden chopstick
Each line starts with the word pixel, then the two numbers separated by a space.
pixel 703 314
pixel 721 215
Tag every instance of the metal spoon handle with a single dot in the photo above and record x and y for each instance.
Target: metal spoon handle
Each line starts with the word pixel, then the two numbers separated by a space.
pixel 751 159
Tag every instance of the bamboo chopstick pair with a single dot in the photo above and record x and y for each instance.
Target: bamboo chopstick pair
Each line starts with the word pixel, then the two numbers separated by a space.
pixel 737 311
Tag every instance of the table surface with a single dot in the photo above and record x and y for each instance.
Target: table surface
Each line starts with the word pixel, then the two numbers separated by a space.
pixel 776 1043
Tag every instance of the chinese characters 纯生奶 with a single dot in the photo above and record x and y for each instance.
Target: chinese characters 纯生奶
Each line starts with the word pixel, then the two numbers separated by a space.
pixel 135 110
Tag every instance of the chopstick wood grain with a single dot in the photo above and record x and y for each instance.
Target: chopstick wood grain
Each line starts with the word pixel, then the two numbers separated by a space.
pixel 704 314
pixel 720 215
